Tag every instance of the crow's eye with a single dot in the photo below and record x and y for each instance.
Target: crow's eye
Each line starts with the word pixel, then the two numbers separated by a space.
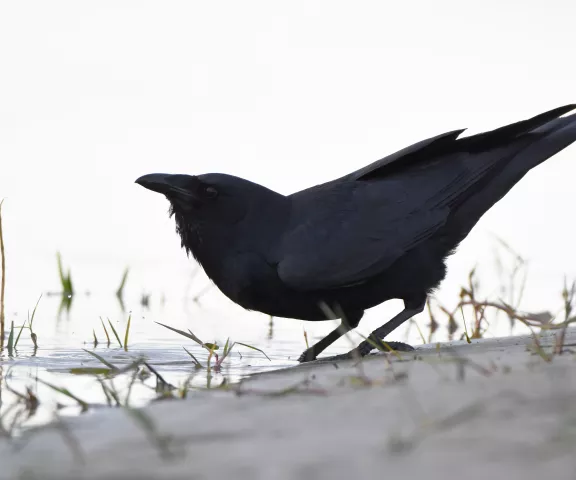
pixel 211 192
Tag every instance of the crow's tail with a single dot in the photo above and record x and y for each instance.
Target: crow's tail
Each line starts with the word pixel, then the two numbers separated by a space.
pixel 501 158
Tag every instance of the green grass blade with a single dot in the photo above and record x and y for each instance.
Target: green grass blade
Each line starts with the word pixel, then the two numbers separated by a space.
pixel 69 288
pixel 127 332
pixel 61 271
pixel 95 339
pixel 183 333
pixel 197 364
pixel 105 331
pixel 253 348
pixel 34 312
pixel 101 359
pixel 200 342
pixel 209 368
pixel 120 290
pixel 115 332
pixel 65 279
pixel 227 347
pixel 10 345
pixel 18 337
pixel 465 327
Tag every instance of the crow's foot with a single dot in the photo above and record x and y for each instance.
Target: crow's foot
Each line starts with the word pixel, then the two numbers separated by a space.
pixel 360 351
pixel 307 356
pixel 365 348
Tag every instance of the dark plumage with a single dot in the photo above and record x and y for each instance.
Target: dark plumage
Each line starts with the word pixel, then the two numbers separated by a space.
pixel 379 233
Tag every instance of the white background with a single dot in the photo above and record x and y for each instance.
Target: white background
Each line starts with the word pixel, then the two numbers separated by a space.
pixel 287 94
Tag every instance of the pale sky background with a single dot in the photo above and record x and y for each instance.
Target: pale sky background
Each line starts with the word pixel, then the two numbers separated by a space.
pixel 287 94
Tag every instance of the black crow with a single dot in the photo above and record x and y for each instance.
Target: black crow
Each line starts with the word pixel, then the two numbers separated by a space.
pixel 379 233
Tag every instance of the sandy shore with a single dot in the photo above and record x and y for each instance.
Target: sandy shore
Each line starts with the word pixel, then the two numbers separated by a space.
pixel 493 409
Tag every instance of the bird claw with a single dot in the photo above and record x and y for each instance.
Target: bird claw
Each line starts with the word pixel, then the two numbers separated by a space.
pixel 360 351
pixel 307 356
pixel 365 348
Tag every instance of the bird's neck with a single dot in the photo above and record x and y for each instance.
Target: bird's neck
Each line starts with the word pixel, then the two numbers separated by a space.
pixel 217 246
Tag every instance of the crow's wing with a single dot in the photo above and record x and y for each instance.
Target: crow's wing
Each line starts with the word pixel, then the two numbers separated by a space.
pixel 348 230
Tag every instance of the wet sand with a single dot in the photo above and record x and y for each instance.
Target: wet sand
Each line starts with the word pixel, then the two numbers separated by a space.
pixel 494 408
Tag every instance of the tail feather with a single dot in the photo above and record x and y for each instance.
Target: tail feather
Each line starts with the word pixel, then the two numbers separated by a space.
pixel 503 135
pixel 526 152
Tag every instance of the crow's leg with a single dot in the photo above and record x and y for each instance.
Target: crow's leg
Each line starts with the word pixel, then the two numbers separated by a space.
pixel 411 307
pixel 351 321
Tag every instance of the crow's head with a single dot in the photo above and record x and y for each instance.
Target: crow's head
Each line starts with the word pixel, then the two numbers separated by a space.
pixel 213 197
pixel 210 207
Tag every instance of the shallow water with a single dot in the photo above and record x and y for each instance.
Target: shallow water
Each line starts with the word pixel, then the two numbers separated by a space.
pixel 62 338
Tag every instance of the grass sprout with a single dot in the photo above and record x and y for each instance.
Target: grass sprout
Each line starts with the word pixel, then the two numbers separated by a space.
pixel 65 277
pixel 10 345
pixel 115 333
pixel 212 348
pixel 127 332
pixel 105 331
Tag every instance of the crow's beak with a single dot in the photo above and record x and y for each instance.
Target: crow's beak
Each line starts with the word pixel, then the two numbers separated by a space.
pixel 157 182
pixel 177 188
